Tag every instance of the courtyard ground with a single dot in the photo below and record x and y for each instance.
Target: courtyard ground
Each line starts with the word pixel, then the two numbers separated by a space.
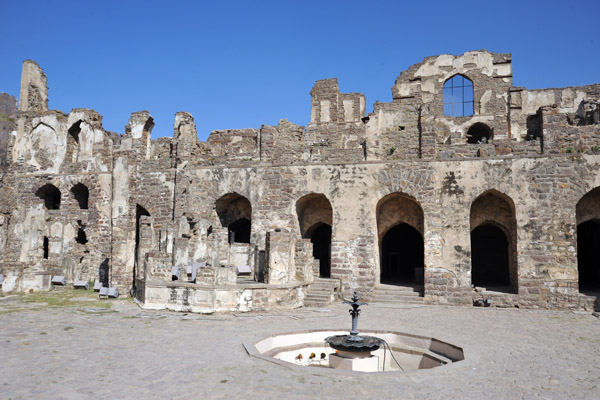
pixel 70 345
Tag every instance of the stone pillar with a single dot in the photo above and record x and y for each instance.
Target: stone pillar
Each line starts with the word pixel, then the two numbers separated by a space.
pixel 34 88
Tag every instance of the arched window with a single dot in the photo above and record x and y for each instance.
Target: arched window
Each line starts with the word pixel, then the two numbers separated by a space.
pixel 458 97
pixel 51 196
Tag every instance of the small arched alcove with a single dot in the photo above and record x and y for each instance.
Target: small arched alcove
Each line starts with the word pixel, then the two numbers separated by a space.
pixel 315 217
pixel 400 221
pixel 479 133
pixel 81 194
pixel 235 213
pixel 588 242
pixel 493 242
pixel 50 194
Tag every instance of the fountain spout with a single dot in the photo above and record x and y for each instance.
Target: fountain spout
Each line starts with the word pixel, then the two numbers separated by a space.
pixel 354 312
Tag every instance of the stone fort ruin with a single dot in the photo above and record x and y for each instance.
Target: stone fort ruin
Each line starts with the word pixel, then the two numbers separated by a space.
pixel 463 188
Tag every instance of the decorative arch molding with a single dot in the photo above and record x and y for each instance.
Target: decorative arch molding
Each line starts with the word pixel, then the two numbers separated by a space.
pixel 313 209
pixel 493 206
pixel 397 208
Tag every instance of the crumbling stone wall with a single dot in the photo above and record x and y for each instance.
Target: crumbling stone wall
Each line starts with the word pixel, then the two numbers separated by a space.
pixel 158 204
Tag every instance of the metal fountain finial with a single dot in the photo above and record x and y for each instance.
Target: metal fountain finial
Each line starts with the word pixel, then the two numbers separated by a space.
pixel 354 312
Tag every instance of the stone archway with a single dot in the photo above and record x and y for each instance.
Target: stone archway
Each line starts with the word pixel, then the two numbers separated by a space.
pixel 493 242
pixel 235 213
pixel 315 217
pixel 400 221
pixel 588 242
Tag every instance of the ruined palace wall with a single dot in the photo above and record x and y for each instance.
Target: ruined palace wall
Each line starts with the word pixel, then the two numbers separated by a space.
pixel 544 192
pixel 66 151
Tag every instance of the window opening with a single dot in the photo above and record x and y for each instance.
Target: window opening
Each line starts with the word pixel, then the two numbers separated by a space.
pixel 81 194
pixel 46 247
pixel 51 196
pixel 458 97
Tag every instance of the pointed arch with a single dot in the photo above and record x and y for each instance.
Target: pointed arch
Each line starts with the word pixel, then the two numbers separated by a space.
pixel 494 242
pixel 400 227
pixel 315 219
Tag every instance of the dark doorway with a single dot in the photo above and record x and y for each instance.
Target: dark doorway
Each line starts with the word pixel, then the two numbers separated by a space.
pixel 489 257
pixel 588 255
pixel 320 237
pixel 402 255
pixel 239 231
pixel 139 213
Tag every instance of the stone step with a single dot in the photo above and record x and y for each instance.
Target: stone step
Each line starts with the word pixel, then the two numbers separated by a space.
pixel 407 295
pixel 416 300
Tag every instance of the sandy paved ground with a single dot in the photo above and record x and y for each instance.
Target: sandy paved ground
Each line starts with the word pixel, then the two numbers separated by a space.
pixel 129 353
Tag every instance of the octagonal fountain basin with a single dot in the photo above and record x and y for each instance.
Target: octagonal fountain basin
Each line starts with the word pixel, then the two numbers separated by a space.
pixel 401 352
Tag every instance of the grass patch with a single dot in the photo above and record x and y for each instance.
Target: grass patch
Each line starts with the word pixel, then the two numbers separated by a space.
pixel 8 119
pixel 64 298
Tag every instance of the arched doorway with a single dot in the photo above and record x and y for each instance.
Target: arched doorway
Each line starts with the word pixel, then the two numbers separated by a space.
pixel 588 242
pixel 489 257
pixel 402 255
pixel 493 243
pixel 315 217
pixel 400 235
pixel 588 255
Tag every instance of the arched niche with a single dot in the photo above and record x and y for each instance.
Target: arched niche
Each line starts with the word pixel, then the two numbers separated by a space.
pixel 479 133
pixel 494 242
pixel 235 213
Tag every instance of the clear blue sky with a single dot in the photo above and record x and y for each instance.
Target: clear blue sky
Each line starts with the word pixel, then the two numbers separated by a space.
pixel 241 64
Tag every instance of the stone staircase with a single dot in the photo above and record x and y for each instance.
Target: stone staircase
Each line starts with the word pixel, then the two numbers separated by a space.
pixel 322 292
pixel 406 294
